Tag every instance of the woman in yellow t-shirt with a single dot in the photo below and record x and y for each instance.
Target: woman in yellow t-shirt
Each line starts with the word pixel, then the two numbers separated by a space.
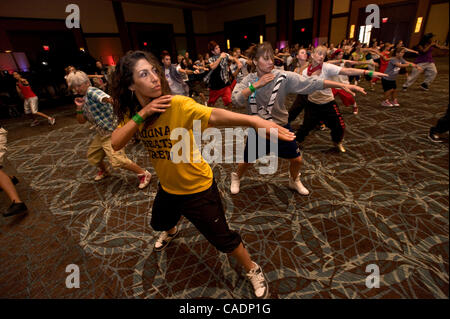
pixel 187 187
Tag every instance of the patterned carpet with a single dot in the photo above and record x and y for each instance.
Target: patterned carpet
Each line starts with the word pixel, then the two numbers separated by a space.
pixel 384 202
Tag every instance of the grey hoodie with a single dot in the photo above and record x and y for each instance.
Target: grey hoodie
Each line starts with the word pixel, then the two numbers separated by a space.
pixel 289 82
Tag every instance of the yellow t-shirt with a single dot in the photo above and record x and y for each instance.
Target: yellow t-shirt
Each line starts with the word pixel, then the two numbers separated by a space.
pixel 181 178
pixel 359 57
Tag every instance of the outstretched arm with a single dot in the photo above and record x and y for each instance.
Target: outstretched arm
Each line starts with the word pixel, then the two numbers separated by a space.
pixel 221 117
pixel 406 64
pixel 280 59
pixel 350 71
pixel 412 51
pixel 347 87
pixel 440 47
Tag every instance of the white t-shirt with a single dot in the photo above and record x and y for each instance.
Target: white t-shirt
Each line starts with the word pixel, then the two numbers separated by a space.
pixel 289 60
pixel 341 78
pixel 326 95
pixel 183 75
pixel 175 87
pixel 169 79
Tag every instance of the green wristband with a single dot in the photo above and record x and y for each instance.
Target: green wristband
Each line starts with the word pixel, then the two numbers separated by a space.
pixel 79 112
pixel 410 64
pixel 370 73
pixel 138 119
pixel 252 88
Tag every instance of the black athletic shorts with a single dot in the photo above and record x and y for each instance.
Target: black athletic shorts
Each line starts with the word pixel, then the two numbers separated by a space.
pixel 282 149
pixel 388 85
pixel 203 209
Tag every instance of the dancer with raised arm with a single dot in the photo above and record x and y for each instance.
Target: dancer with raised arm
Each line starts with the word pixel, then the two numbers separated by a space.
pixel 30 100
pixel 187 188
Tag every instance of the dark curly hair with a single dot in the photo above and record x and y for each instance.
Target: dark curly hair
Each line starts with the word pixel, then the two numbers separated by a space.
pixel 125 103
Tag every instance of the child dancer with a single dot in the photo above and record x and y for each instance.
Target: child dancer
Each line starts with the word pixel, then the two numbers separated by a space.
pixel 385 56
pixel 393 69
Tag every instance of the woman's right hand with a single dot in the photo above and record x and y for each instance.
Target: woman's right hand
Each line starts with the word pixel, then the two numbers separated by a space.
pixel 158 105
pixel 264 80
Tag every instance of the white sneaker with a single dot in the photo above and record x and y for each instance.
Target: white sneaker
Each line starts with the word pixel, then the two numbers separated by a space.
pixel 144 179
pixel 34 123
pixel 235 183
pixel 340 147
pixel 51 120
pixel 298 186
pixel 355 109
pixel 259 282
pixel 164 239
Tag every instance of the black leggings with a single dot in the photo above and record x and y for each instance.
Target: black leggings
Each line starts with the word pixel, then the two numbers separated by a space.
pixel 327 113
pixel 203 209
pixel 297 107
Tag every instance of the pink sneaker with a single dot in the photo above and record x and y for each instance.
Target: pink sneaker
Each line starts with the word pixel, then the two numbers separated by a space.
pixel 387 103
pixel 395 103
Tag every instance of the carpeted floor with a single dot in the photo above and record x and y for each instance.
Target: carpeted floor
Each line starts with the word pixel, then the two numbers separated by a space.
pixel 383 202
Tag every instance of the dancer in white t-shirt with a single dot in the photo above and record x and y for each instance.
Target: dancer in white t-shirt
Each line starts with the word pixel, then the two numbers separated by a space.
pixel 321 104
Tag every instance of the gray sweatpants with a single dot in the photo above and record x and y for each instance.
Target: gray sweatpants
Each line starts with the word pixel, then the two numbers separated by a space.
pixel 429 68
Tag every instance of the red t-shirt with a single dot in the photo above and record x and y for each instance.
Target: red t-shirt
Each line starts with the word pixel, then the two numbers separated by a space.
pixel 384 61
pixel 26 90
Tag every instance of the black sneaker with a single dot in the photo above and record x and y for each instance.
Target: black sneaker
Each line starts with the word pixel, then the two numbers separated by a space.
pixel 15 208
pixel 404 89
pixel 424 86
pixel 434 138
